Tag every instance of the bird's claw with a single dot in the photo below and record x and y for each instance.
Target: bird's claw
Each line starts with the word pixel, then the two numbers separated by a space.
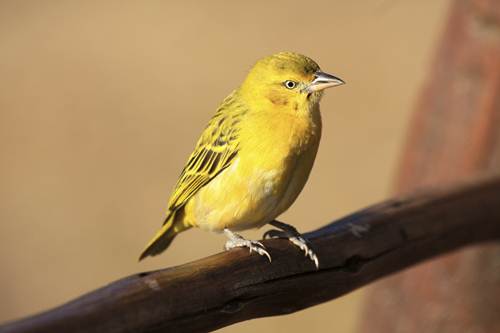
pixel 236 240
pixel 294 237
pixel 301 243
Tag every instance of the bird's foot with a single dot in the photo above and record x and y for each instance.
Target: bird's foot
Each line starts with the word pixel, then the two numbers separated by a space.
pixel 236 240
pixel 289 232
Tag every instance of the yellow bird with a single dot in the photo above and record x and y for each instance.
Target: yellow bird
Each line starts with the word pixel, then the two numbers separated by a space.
pixel 254 157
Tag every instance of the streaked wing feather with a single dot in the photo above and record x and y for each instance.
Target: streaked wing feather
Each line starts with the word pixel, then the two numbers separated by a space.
pixel 215 150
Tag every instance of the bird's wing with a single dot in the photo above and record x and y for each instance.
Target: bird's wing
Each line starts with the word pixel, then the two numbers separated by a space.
pixel 215 150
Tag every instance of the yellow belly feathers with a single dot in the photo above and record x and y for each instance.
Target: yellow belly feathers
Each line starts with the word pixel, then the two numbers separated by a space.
pixel 245 195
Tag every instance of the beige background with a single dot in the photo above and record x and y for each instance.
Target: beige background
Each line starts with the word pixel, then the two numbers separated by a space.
pixel 102 101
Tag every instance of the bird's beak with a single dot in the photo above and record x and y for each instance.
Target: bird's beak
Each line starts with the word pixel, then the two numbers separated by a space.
pixel 322 81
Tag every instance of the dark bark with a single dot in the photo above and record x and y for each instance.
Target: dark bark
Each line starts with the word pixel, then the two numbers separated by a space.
pixel 234 286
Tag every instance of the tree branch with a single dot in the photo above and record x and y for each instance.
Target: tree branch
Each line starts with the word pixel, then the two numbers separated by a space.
pixel 234 286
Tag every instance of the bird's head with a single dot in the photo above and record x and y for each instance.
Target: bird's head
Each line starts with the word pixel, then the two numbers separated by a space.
pixel 286 80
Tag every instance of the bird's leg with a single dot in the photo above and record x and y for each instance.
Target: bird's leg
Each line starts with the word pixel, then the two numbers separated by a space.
pixel 289 232
pixel 236 240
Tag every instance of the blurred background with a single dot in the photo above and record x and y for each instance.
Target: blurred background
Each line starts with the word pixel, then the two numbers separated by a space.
pixel 102 101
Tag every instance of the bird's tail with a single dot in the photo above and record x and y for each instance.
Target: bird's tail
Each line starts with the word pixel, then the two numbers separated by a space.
pixel 164 236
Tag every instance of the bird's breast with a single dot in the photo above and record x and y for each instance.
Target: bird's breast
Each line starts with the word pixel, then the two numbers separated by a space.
pixel 271 138
pixel 274 159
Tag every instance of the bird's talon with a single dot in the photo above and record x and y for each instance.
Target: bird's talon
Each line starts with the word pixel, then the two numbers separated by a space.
pixel 316 261
pixel 264 252
pixel 294 237
pixel 236 240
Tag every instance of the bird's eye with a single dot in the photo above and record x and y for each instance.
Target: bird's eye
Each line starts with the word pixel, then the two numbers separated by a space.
pixel 290 84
